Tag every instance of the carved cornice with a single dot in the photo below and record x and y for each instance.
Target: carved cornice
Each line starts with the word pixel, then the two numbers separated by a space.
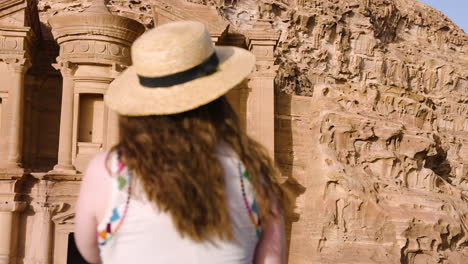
pixel 10 198
pixel 41 193
pixel 50 208
pixel 95 36
pixel 16 43
pixel 174 10
pixel 85 50
pixel 115 28
pixel 18 65
pixel 94 79
pixel 7 173
pixel 65 67
pixel 49 211
pixel 263 34
pixel 262 41
pixel 59 177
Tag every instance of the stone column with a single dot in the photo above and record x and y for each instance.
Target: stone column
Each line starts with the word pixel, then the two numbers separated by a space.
pixel 45 224
pixel 113 129
pixel 113 117
pixel 41 252
pixel 64 163
pixel 260 109
pixel 260 102
pixel 9 230
pixel 17 68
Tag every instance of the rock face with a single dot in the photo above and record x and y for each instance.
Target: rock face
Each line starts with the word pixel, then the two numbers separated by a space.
pixel 377 129
pixel 386 176
pixel 371 124
pixel 375 134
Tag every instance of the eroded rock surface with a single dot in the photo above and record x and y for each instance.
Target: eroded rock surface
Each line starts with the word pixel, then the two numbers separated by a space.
pixel 371 124
pixel 389 82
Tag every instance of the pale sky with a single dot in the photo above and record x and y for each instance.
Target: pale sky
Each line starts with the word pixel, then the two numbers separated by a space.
pixel 456 10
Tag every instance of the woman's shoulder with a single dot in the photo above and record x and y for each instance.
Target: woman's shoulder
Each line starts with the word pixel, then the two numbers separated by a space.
pixel 96 186
pixel 98 167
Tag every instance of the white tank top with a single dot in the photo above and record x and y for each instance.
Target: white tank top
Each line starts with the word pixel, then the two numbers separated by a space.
pixel 135 231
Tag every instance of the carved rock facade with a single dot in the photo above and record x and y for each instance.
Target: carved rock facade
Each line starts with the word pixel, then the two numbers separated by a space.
pixel 56 64
pixel 363 103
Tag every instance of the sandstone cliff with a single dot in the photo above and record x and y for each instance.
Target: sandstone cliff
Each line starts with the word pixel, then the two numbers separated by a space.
pixel 388 120
pixel 371 124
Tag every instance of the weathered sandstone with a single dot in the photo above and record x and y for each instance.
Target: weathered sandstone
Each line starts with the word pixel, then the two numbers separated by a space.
pixel 370 113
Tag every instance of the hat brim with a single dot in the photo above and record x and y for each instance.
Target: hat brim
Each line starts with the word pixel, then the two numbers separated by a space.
pixel 128 97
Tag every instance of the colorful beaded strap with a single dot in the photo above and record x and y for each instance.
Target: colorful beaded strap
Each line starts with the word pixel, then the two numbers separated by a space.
pixel 124 176
pixel 115 221
pixel 251 207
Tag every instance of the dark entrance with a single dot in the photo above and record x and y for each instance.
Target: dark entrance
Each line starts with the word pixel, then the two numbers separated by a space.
pixel 73 255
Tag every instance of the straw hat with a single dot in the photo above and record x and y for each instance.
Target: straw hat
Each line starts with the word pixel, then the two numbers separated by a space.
pixel 177 68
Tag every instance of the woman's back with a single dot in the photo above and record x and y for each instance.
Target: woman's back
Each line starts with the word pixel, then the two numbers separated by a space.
pixel 148 235
pixel 185 199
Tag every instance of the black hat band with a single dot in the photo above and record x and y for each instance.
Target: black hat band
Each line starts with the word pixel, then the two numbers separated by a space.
pixel 206 68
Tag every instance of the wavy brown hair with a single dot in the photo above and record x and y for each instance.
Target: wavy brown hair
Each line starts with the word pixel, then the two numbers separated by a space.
pixel 175 158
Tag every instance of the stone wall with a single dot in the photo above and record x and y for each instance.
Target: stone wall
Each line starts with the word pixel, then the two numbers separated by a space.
pixel 371 124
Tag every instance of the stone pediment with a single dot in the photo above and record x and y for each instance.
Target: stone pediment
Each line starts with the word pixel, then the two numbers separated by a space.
pixel 11 5
pixel 64 218
pixel 166 11
pixel 19 14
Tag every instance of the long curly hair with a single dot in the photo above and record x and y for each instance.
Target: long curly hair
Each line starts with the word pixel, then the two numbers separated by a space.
pixel 175 159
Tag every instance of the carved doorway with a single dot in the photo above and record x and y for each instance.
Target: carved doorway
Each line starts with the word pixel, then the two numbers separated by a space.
pixel 73 255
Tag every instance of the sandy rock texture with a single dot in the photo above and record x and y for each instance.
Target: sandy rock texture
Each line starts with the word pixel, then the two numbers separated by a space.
pixel 387 130
pixel 371 124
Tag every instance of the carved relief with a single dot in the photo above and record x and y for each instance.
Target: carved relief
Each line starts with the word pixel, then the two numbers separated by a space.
pixel 11 46
pixel 73 50
pixel 9 43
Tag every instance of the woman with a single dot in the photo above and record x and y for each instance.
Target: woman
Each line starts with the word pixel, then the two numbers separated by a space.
pixel 184 184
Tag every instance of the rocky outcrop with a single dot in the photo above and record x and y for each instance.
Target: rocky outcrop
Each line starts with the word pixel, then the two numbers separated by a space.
pixel 382 149
pixel 389 84
pixel 388 81
pixel 371 124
